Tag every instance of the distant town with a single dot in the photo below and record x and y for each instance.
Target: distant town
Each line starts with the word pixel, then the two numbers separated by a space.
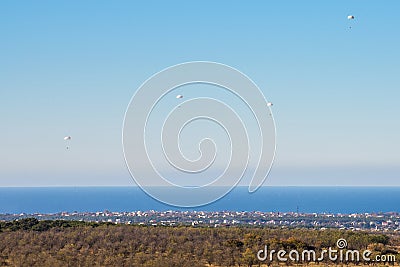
pixel 358 222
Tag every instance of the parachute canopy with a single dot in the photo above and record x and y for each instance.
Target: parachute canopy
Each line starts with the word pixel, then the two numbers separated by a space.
pixel 179 96
pixel 269 104
pixel 350 17
pixel 67 138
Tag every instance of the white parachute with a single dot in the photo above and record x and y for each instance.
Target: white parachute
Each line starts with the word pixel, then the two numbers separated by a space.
pixel 67 138
pixel 269 104
pixel 350 17
pixel 179 96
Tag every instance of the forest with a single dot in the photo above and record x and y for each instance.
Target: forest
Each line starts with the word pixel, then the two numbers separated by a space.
pixel 31 242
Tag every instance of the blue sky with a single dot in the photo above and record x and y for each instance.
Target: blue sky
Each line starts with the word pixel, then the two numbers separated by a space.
pixel 71 67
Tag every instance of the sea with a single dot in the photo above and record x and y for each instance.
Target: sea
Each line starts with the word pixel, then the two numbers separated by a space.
pixel 344 200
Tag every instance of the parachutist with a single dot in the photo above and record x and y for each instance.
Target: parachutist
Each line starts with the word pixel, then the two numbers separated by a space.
pixel 67 138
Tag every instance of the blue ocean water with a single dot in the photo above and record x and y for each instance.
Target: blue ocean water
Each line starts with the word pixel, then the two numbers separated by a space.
pixel 282 199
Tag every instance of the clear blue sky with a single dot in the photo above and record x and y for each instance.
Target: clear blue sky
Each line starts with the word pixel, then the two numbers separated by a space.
pixel 71 67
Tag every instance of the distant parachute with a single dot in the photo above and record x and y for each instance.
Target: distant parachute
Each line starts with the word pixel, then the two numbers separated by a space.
pixel 350 17
pixel 179 96
pixel 269 104
pixel 67 138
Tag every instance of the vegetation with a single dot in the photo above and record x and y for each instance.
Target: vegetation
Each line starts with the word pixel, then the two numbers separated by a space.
pixel 30 242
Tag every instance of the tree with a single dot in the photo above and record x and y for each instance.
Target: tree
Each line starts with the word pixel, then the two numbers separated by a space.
pixel 249 257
